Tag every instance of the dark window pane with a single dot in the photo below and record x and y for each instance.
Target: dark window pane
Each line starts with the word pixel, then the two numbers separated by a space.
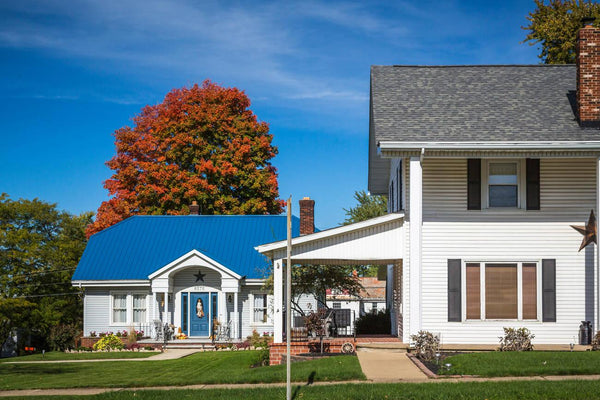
pixel 503 196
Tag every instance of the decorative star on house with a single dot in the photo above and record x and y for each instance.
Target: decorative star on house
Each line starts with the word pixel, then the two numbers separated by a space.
pixel 199 276
pixel 588 231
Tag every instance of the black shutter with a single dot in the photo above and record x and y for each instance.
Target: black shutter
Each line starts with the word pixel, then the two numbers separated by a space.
pixel 533 184
pixel 474 184
pixel 549 290
pixel 454 289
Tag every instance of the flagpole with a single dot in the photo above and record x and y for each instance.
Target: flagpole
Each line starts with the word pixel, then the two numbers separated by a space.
pixel 288 301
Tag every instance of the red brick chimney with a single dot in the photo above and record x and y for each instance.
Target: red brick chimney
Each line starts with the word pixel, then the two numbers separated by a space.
pixel 307 216
pixel 194 208
pixel 588 75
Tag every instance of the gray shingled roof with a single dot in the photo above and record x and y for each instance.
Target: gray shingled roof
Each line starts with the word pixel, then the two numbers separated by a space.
pixel 475 103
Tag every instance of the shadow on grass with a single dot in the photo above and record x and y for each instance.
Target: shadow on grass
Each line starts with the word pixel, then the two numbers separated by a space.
pixel 309 381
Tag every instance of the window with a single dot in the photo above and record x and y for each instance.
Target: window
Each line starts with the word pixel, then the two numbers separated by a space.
pixel 260 308
pixel 501 291
pixel 337 306
pixel 374 308
pixel 503 184
pixel 139 308
pixel 119 308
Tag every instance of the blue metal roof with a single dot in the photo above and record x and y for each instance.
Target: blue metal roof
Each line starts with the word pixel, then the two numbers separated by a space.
pixel 142 244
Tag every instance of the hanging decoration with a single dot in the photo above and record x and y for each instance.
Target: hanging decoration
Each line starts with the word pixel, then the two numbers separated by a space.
pixel 588 231
pixel 199 308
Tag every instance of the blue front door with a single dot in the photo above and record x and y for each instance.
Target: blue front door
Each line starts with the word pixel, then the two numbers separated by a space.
pixel 200 320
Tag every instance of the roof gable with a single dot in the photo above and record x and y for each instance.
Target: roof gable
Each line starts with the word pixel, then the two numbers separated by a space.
pixel 141 245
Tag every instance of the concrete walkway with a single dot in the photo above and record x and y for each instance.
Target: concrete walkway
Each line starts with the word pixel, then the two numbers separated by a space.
pixel 385 365
pixel 169 354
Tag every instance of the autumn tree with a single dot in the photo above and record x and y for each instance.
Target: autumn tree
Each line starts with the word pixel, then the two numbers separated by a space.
pixel 40 247
pixel 555 25
pixel 200 144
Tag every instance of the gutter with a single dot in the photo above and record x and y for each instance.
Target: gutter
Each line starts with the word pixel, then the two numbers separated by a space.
pixel 538 145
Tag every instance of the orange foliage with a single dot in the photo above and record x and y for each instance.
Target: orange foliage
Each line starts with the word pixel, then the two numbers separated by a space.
pixel 201 143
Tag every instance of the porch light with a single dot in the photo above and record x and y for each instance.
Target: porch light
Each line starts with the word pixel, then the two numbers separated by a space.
pixel 230 298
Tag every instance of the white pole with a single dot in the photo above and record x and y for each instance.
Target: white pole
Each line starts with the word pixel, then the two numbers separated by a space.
pixel 288 300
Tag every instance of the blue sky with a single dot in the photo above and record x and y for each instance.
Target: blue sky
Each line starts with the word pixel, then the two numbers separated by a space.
pixel 74 72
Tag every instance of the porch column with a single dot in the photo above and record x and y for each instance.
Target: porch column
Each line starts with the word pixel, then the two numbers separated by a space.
pixel 166 308
pixel 597 274
pixel 153 306
pixel 415 226
pixel 278 301
pixel 236 316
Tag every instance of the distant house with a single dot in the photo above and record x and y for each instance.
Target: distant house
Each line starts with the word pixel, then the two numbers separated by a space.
pixel 189 271
pixel 370 300
pixel 485 168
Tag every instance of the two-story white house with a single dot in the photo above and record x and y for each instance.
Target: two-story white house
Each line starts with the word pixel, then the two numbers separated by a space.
pixel 485 168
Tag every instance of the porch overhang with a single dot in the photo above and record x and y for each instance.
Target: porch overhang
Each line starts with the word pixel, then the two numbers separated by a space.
pixel 376 241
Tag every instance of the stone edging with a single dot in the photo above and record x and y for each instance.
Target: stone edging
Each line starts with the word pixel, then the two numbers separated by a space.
pixel 429 373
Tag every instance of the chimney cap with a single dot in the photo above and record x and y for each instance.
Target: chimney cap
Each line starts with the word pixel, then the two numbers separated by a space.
pixel 588 21
pixel 306 198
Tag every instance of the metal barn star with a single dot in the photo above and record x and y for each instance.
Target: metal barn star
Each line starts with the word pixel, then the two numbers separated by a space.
pixel 199 276
pixel 588 231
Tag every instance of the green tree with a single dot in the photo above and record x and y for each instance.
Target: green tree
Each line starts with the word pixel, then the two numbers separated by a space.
pixel 39 250
pixel 554 26
pixel 369 206
pixel 200 144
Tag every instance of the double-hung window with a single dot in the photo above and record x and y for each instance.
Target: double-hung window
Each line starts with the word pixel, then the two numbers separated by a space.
pixel 504 291
pixel 119 308
pixel 260 308
pixel 503 184
pixel 139 308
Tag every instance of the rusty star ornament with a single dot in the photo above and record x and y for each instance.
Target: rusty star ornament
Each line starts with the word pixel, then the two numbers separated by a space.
pixel 588 231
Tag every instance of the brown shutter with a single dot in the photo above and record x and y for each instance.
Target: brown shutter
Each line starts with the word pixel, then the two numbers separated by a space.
pixel 549 290
pixel 533 183
pixel 473 277
pixel 474 184
pixel 454 286
pixel 529 288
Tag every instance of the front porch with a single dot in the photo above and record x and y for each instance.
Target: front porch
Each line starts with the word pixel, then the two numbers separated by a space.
pixel 377 241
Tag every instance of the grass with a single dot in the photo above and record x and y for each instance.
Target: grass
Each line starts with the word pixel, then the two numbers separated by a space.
pixel 209 367
pixel 59 355
pixel 533 390
pixel 528 363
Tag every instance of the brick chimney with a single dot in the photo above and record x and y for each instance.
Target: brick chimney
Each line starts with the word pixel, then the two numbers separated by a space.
pixel 194 208
pixel 588 75
pixel 307 216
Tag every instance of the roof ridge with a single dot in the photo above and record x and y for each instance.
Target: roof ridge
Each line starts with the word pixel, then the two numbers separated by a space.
pixel 471 65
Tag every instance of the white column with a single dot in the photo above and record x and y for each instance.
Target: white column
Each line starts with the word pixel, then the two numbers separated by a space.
pixel 236 318
pixel 166 308
pixel 415 226
pixel 597 274
pixel 277 301
pixel 153 308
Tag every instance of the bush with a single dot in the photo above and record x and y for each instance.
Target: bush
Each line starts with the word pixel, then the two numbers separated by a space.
pixel 148 348
pixel 315 322
pixel 83 348
pixel 596 342
pixel 262 358
pixel 62 337
pixel 516 339
pixel 370 324
pixel 259 342
pixel 427 345
pixel 109 342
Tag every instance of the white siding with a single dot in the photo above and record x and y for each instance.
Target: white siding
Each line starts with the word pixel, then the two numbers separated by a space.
pixel 450 231
pixel 97 310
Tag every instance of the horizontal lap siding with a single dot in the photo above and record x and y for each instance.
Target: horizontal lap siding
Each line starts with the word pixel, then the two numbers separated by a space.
pixel 449 231
pixel 97 311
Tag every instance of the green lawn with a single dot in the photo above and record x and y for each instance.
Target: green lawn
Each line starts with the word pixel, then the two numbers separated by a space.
pixel 59 355
pixel 572 390
pixel 209 367
pixel 524 363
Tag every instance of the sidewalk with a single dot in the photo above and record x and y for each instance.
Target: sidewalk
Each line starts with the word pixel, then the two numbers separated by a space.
pixel 385 365
pixel 169 354
pixel 94 391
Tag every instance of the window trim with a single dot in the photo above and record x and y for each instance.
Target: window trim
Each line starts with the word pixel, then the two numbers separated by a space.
pixel 482 263
pixel 521 183
pixel 129 307
pixel 269 321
